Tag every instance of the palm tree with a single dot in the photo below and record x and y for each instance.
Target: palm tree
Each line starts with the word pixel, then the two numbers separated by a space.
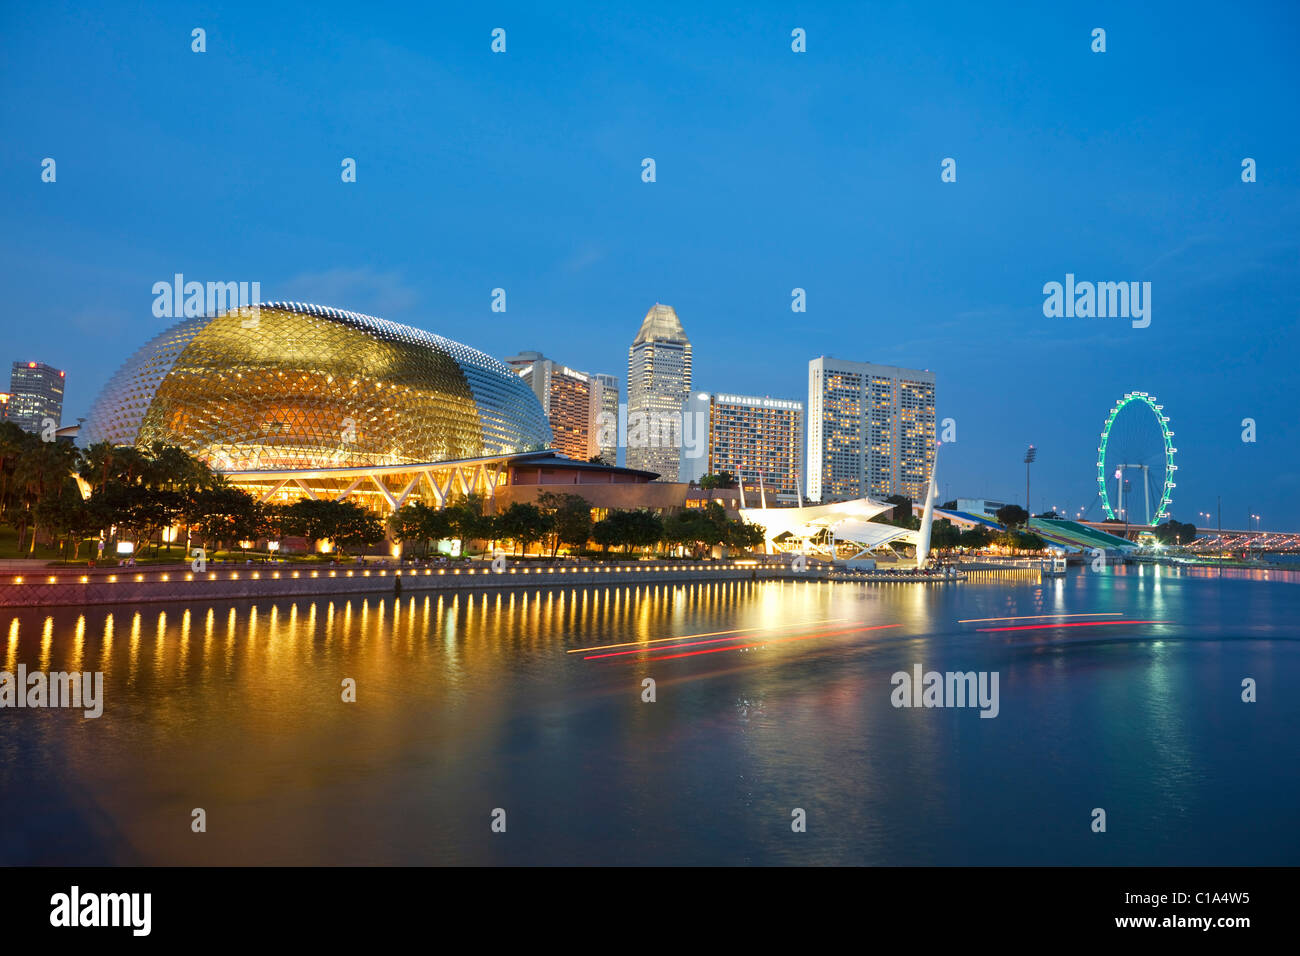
pixel 13 443
pixel 41 472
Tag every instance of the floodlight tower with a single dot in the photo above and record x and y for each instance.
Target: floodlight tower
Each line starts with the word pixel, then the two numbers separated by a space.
pixel 1030 454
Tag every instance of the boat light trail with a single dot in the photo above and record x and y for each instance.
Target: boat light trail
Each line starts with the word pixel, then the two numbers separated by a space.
pixel 683 637
pixel 1036 627
pixel 738 647
pixel 1031 617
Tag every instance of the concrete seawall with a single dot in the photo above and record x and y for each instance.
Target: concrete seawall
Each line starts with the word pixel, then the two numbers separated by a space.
pixel 50 587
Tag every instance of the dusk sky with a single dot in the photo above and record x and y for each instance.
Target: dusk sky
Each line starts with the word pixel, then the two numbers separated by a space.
pixel 775 170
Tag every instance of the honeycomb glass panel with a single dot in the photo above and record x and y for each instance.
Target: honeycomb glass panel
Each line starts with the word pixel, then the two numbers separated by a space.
pixel 296 386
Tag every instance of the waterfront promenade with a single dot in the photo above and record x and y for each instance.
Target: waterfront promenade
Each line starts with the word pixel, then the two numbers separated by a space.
pixel 64 587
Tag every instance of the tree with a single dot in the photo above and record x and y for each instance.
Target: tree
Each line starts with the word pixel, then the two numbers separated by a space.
pixel 468 521
pixel 342 522
pixel 43 469
pixel 570 519
pixel 645 528
pixel 901 516
pixel 356 527
pixel 688 528
pixel 631 529
pixel 68 517
pixel 723 479
pixel 944 534
pixel 225 514
pixel 976 538
pixel 743 535
pixel 13 443
pixel 1010 515
pixel 524 523
pixel 1020 541
pixel 1174 532
pixel 605 532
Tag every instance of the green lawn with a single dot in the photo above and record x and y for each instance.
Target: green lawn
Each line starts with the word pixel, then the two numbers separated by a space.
pixel 9 546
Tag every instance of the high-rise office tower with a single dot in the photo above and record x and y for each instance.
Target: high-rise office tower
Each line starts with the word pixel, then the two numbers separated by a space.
pixel 871 430
pixel 607 419
pixel 572 401
pixel 658 384
pixel 35 394
pixel 747 436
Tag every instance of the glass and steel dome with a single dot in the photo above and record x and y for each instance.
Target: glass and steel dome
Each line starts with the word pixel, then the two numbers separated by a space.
pixel 289 385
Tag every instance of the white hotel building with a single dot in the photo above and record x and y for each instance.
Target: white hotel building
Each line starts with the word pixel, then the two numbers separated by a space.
pixel 748 436
pixel 871 430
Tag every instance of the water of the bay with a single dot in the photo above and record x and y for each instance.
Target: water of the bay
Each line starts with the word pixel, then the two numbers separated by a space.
pixel 472 703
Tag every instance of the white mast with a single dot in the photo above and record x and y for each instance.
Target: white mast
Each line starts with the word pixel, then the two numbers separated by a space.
pixel 927 516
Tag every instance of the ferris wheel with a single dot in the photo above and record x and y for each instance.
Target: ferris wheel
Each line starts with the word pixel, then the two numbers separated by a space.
pixel 1135 461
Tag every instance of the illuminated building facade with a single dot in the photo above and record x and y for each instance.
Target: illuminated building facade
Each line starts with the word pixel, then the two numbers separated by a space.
pixel 658 384
pixel 295 386
pixel 871 430
pixel 748 436
pixel 571 400
pixel 607 433
pixel 35 394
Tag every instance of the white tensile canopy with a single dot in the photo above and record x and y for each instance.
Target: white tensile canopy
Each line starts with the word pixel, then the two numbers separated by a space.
pixel 847 521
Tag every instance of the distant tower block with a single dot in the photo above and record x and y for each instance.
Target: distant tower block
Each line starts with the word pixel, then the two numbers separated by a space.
pixel 658 384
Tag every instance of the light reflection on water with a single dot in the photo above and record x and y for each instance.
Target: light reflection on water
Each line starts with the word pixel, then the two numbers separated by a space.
pixel 467 702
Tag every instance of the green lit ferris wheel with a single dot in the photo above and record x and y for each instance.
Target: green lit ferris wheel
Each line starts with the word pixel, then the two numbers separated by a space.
pixel 1136 455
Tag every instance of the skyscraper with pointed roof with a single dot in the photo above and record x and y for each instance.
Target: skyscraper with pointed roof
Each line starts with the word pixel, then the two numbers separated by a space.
pixel 658 384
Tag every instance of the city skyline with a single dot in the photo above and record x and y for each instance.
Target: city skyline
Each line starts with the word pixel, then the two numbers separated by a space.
pixel 643 436
pixel 601 398
pixel 949 276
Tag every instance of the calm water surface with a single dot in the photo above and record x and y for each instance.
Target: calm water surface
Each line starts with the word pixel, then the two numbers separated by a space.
pixel 473 702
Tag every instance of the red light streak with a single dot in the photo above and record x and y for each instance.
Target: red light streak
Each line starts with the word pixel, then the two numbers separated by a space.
pixel 738 647
pixel 1036 627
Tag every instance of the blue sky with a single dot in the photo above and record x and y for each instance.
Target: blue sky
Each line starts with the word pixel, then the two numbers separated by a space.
pixel 775 170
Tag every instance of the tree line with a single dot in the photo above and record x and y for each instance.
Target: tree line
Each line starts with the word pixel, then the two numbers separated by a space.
pixel 564 520
pixel 135 494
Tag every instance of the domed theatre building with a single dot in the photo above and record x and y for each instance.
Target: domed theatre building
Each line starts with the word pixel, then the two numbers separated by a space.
pixel 289 400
